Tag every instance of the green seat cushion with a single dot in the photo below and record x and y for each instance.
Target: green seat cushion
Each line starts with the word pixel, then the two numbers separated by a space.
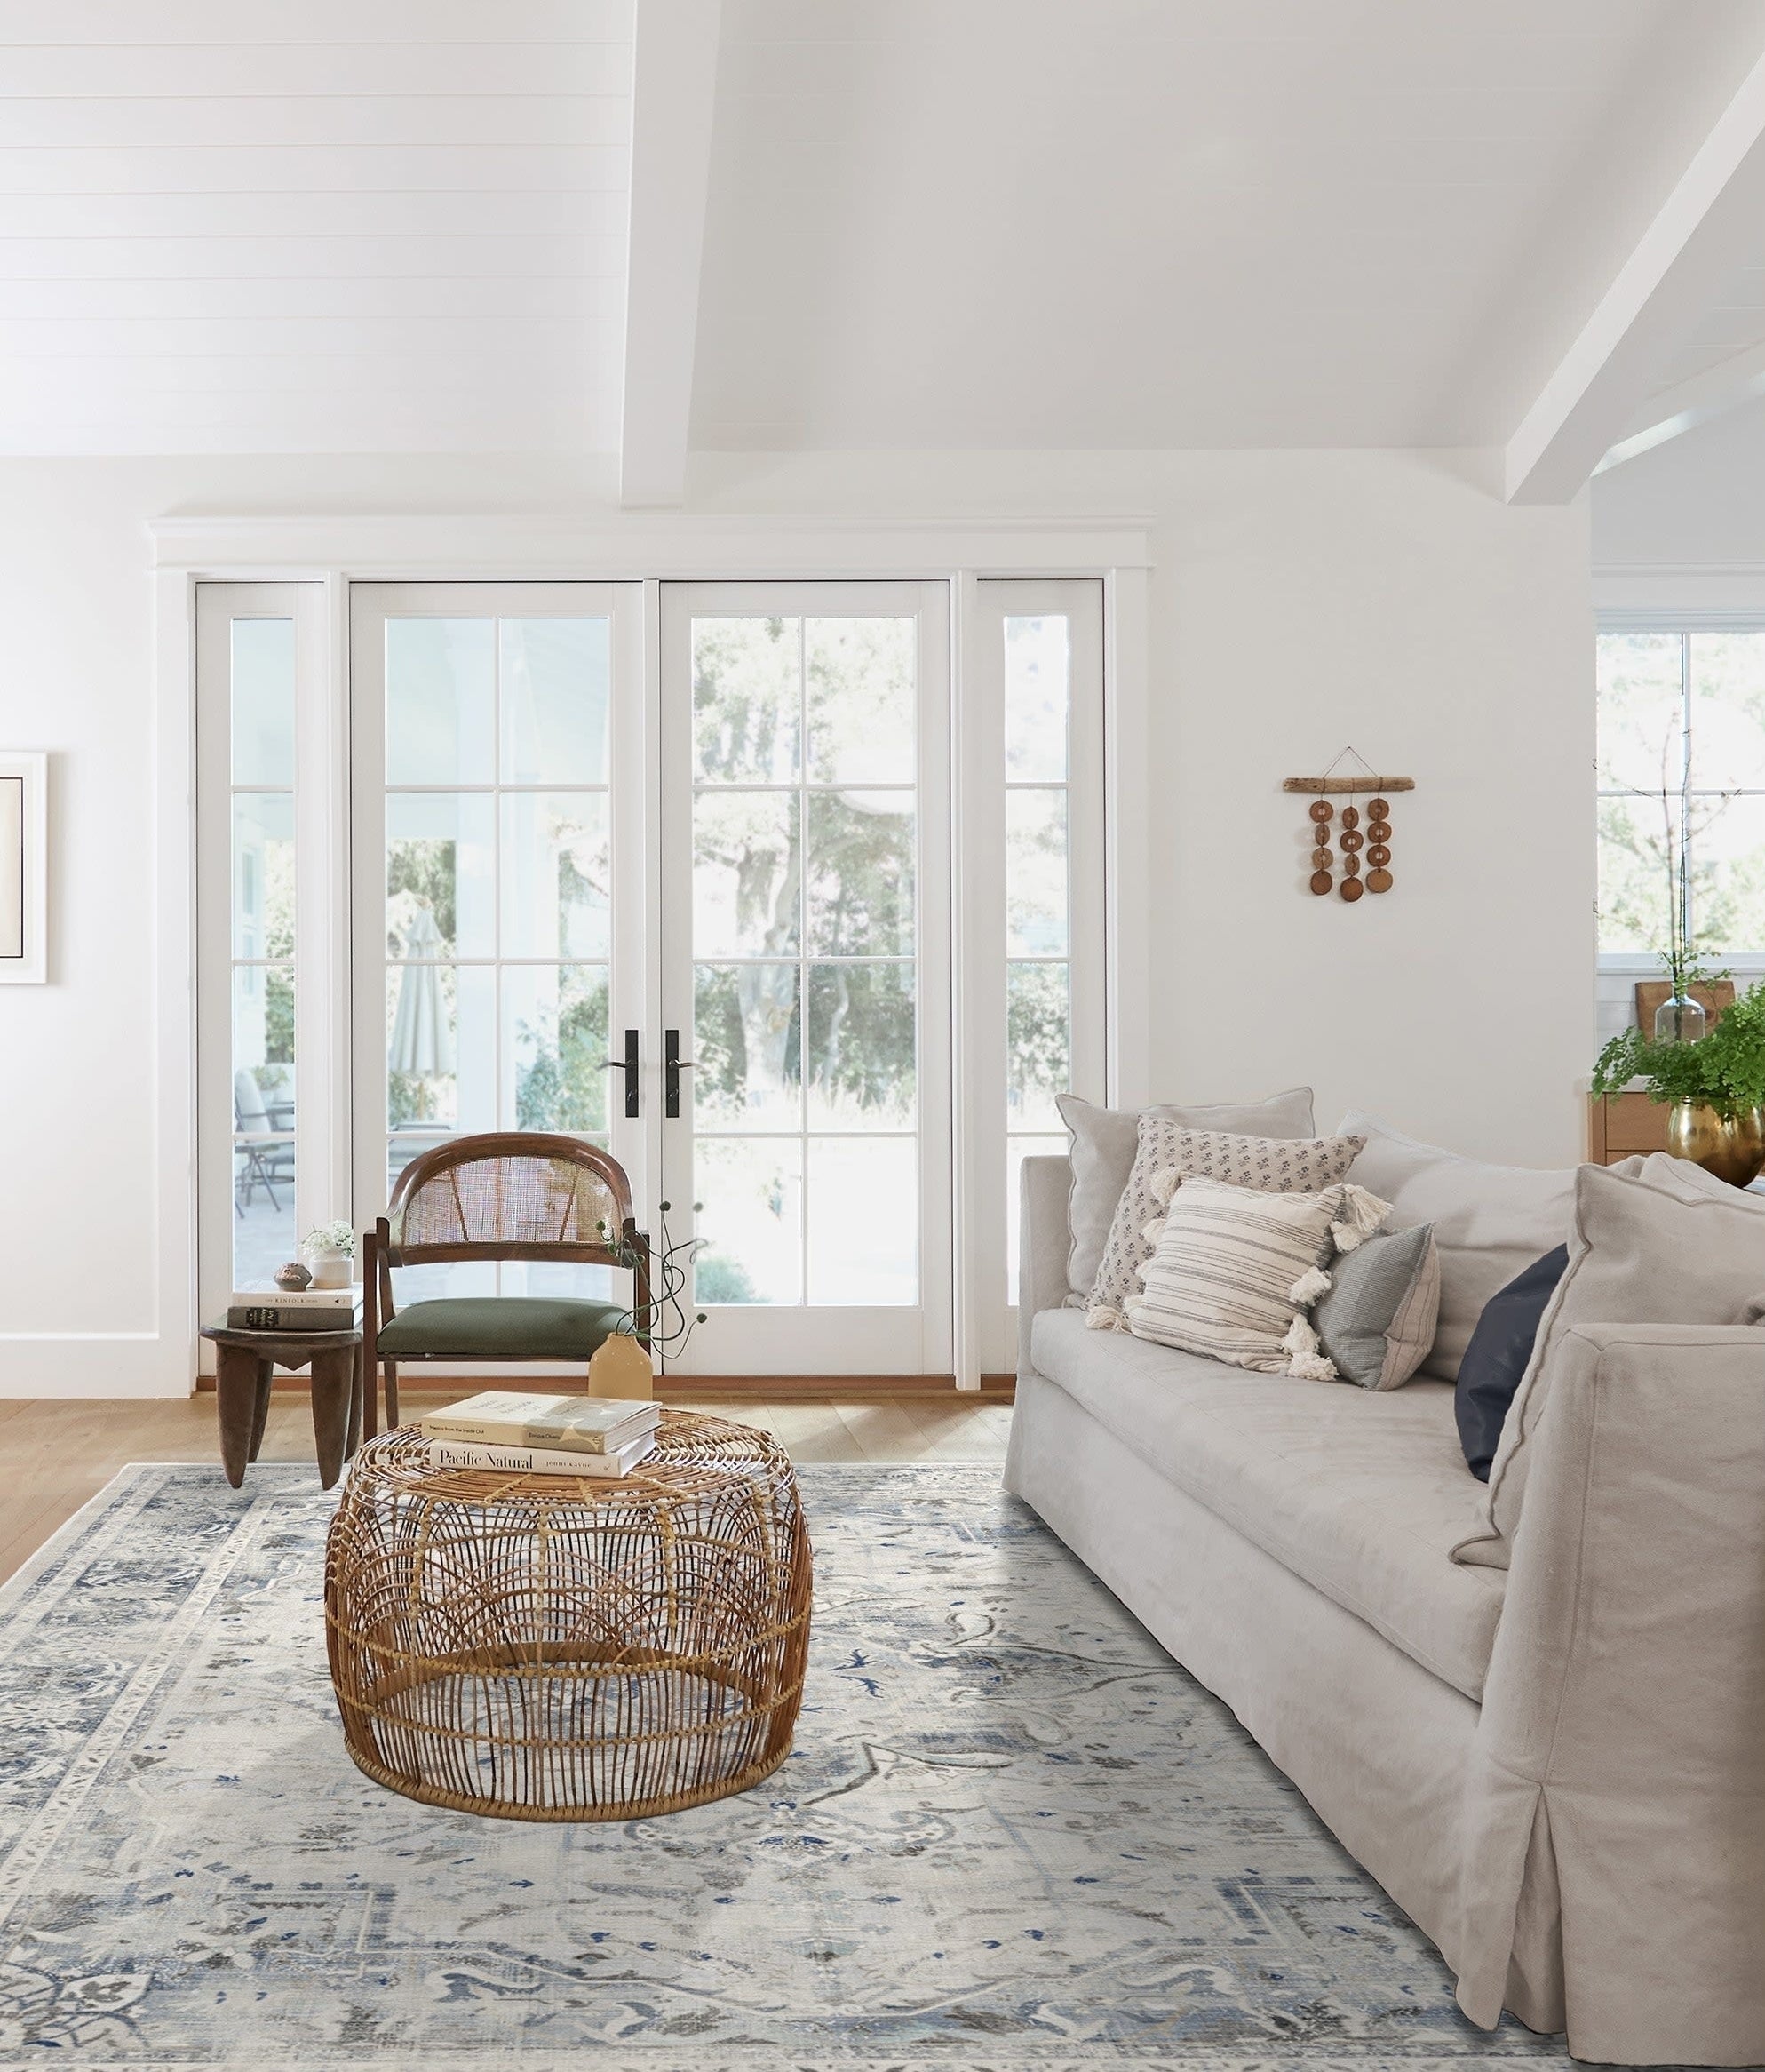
pixel 501 1328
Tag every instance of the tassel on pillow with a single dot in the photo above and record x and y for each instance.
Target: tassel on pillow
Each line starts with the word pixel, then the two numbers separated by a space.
pixel 1311 1283
pixel 1363 1215
pixel 1306 1360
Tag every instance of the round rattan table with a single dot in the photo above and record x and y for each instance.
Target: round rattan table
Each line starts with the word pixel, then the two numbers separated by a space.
pixel 547 1648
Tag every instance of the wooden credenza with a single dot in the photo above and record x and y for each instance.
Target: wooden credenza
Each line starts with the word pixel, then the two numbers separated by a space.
pixel 1621 1125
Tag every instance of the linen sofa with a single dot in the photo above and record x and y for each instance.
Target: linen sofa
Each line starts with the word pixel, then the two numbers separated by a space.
pixel 1556 1768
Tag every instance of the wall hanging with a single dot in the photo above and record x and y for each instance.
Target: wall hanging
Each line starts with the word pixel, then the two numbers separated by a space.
pixel 1352 836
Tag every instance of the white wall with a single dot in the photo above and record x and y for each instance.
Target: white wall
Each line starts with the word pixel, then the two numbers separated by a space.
pixel 1298 600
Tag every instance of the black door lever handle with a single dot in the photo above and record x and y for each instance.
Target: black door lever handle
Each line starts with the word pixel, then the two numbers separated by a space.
pixel 672 1065
pixel 628 1065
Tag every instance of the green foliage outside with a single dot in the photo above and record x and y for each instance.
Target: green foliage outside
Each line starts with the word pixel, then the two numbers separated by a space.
pixel 562 1083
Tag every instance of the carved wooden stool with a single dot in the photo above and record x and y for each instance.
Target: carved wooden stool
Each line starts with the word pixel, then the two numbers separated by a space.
pixel 244 1363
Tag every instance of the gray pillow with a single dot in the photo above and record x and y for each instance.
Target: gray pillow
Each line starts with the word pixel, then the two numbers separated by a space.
pixel 1665 1244
pixel 1377 1323
pixel 1489 1222
pixel 1104 1141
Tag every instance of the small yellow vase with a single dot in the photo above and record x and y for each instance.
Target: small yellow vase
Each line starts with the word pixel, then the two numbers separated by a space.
pixel 1732 1148
pixel 621 1367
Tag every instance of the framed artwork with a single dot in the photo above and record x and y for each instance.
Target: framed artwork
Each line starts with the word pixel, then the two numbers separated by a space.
pixel 24 867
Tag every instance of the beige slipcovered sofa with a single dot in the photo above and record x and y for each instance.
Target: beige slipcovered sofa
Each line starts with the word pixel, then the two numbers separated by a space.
pixel 1556 1767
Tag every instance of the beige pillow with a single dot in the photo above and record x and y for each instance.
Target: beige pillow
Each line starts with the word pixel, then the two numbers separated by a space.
pixel 1275 1165
pixel 1489 1222
pixel 1235 1268
pixel 1666 1244
pixel 1104 1141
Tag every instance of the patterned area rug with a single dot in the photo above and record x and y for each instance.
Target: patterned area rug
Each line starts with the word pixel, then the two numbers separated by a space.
pixel 1013 1834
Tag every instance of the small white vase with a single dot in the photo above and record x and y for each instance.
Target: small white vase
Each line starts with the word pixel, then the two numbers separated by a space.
pixel 332 1268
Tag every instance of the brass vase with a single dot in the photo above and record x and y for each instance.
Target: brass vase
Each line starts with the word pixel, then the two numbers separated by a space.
pixel 1731 1147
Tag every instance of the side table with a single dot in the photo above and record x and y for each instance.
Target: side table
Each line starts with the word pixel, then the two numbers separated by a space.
pixel 245 1362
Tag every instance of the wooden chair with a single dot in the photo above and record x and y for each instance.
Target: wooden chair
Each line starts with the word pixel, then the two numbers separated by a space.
pixel 511 1194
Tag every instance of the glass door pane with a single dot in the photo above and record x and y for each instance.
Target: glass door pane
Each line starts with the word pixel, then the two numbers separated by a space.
pixel 261 911
pixel 485 764
pixel 807 970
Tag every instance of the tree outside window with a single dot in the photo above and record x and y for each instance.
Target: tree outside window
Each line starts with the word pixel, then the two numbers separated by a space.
pixel 1681 763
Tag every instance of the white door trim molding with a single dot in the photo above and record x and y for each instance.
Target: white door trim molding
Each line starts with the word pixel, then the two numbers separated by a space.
pixel 338 551
pixel 643 545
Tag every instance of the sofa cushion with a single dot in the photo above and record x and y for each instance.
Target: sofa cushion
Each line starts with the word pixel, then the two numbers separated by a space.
pixel 1376 1326
pixel 1498 1354
pixel 1104 1141
pixel 1170 1154
pixel 1233 1270
pixel 1361 1492
pixel 1489 1222
pixel 1669 1244
pixel 500 1328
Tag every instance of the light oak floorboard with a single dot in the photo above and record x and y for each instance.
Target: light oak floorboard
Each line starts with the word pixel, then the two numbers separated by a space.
pixel 59 1454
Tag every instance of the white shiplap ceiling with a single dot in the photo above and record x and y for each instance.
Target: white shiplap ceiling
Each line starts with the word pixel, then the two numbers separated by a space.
pixel 336 226
pixel 383 226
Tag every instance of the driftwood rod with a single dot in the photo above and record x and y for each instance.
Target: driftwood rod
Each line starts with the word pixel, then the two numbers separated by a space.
pixel 1349 784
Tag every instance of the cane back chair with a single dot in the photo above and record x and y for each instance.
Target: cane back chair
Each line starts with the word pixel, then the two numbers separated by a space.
pixel 510 1194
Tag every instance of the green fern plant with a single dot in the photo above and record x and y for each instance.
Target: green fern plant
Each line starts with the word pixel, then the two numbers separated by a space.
pixel 1724 1070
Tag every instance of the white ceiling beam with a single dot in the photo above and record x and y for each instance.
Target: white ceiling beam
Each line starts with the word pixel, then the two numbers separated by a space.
pixel 673 98
pixel 1671 413
pixel 1707 228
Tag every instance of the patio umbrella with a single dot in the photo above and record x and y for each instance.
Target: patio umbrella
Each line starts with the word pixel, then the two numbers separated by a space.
pixel 422 1042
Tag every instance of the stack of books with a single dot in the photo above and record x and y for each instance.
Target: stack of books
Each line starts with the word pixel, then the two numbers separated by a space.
pixel 268 1307
pixel 542 1435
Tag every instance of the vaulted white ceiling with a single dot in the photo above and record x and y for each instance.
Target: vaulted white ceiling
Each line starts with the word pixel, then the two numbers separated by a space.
pixel 328 226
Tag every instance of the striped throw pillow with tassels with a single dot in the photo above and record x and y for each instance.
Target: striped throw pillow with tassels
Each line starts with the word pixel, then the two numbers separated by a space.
pixel 1235 1270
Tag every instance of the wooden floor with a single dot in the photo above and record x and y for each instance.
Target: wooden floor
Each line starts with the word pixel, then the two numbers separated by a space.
pixel 57 1455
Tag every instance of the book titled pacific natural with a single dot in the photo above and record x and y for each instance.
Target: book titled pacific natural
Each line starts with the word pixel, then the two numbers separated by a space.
pixel 565 1425
pixel 450 1453
pixel 268 1307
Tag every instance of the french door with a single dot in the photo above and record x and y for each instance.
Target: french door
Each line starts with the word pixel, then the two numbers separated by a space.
pixel 749 898
pixel 682 868
pixel 497 879
pixel 805 968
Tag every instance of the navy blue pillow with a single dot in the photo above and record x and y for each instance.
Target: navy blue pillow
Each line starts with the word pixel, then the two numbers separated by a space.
pixel 1497 1356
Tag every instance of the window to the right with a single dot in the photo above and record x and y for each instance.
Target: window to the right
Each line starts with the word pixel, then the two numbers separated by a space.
pixel 1682 762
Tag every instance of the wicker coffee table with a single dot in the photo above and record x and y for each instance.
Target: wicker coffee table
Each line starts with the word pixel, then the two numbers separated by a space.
pixel 560 1648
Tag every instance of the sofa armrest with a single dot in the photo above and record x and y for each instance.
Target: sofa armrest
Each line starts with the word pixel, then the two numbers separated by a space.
pixel 1618 1756
pixel 1043 1243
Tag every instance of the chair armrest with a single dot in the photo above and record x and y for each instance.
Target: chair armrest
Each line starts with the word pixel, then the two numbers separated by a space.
pixel 1043 1243
pixel 1619 1753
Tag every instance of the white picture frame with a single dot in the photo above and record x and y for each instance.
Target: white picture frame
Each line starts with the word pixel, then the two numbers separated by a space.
pixel 24 867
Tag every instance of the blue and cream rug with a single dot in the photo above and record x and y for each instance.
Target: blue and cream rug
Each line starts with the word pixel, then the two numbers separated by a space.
pixel 1014 1834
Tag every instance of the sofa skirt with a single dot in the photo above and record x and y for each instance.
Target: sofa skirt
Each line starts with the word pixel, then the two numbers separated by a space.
pixel 1380 1747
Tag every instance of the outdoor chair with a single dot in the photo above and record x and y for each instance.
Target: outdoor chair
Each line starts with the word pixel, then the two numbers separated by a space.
pixel 263 1141
pixel 503 1195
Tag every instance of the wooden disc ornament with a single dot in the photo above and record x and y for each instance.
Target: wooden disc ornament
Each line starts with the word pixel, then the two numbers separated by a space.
pixel 1360 827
